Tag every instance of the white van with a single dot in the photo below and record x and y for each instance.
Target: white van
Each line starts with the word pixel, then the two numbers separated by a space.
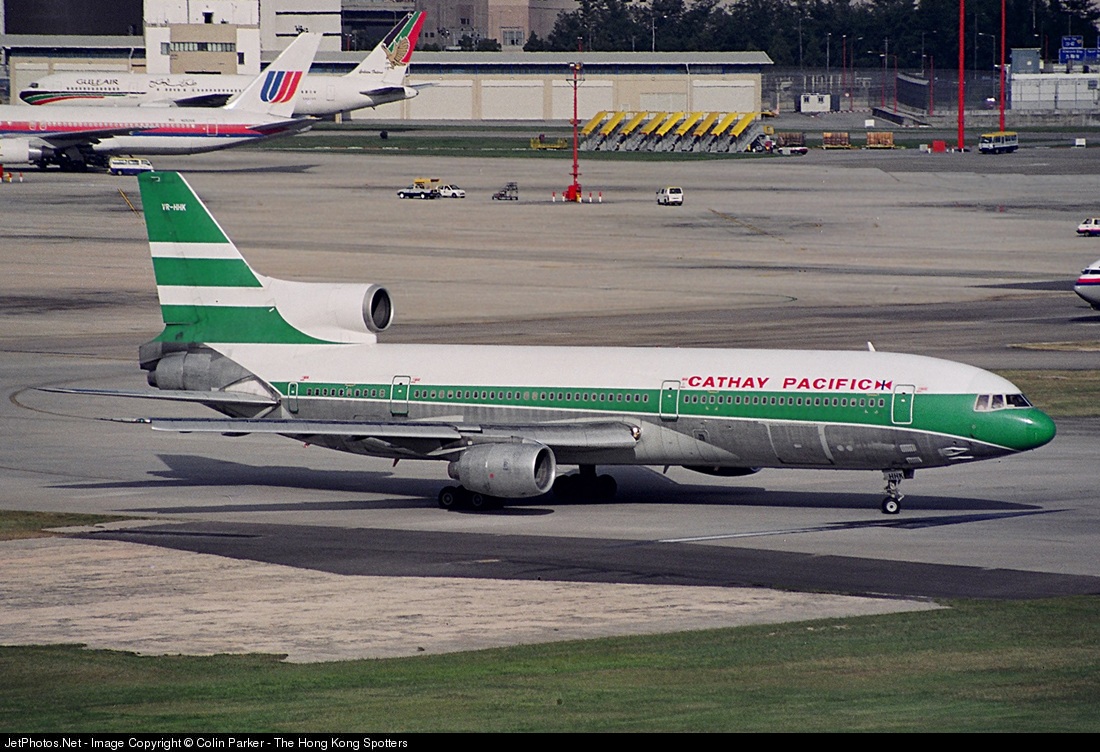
pixel 128 165
pixel 670 196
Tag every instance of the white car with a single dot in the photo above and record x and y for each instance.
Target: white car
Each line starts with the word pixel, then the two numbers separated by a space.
pixel 1090 227
pixel 671 196
pixel 451 191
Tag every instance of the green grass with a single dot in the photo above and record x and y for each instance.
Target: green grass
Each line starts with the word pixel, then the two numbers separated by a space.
pixel 1061 394
pixel 977 666
pixel 16 524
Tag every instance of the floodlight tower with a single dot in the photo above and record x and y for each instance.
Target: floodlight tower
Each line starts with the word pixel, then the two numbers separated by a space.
pixel 573 192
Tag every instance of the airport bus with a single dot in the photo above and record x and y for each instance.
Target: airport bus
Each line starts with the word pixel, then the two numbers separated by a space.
pixel 999 142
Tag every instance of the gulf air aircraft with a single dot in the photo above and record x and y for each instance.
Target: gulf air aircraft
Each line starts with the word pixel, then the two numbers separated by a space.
pixel 378 79
pixel 1087 285
pixel 75 137
pixel 302 360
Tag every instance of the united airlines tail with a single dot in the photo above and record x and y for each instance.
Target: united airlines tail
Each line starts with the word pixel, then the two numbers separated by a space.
pixel 210 295
pixel 390 58
pixel 275 91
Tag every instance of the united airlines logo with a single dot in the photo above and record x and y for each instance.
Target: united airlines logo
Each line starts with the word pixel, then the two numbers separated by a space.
pixel 280 86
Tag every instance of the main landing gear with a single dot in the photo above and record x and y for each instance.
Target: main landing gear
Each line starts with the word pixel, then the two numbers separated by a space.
pixel 457 497
pixel 585 486
pixel 891 504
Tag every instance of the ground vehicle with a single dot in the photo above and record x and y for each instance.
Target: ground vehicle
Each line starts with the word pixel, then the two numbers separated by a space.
pixel 1089 226
pixel 999 142
pixel 670 196
pixel 128 165
pixel 451 191
pixel 510 192
pixel 421 188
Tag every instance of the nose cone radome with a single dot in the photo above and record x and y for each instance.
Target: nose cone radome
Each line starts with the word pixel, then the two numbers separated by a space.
pixel 1033 428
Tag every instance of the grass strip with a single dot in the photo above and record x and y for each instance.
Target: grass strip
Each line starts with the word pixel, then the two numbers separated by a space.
pixel 976 666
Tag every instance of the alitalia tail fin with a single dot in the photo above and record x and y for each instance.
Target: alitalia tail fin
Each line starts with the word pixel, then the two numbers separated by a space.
pixel 275 90
pixel 389 60
pixel 210 295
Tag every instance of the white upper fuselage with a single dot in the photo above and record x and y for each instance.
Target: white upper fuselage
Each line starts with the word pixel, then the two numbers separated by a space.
pixel 319 95
pixel 1088 284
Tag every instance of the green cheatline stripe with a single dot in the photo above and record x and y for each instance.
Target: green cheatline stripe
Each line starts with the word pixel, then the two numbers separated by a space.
pixel 192 272
pixel 173 213
pixel 950 414
pixel 183 323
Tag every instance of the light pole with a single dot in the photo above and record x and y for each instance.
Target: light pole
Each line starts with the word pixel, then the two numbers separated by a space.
pixel 962 74
pixel 993 57
pixel 573 192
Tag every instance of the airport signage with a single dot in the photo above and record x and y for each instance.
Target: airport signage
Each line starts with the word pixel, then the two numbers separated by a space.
pixel 1079 55
pixel 1073 42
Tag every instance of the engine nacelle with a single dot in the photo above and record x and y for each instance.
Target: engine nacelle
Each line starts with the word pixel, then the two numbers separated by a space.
pixel 512 471
pixel 334 312
pixel 200 371
pixel 722 472
pixel 20 150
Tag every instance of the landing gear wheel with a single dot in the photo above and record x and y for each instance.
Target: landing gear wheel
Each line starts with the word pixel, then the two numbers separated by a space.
pixel 565 488
pixel 450 498
pixel 606 488
pixel 585 486
pixel 892 503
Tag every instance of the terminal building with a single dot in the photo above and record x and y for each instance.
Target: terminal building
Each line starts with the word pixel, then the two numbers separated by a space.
pixel 240 36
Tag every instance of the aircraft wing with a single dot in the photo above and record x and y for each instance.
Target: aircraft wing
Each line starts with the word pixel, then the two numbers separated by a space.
pixel 295 124
pixel 582 436
pixel 88 136
pixel 203 100
pixel 379 91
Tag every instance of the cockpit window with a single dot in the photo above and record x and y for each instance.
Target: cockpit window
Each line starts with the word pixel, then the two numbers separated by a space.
pixel 987 402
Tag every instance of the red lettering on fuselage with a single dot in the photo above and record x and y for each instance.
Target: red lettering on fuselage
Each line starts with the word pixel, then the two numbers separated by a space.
pixel 805 383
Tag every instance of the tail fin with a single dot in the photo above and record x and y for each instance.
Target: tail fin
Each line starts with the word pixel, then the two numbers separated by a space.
pixel 389 60
pixel 275 90
pixel 209 294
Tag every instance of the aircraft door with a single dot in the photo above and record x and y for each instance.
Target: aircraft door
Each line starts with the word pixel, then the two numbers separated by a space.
pixel 399 395
pixel 292 396
pixel 670 400
pixel 902 409
pixel 330 93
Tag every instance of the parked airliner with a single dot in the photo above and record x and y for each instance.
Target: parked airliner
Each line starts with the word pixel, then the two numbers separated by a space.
pixel 1088 284
pixel 303 360
pixel 75 137
pixel 378 79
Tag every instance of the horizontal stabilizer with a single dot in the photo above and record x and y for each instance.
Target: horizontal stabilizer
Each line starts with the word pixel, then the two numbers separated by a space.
pixel 205 398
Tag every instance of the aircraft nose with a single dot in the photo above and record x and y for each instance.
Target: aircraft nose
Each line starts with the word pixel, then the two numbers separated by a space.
pixel 1034 428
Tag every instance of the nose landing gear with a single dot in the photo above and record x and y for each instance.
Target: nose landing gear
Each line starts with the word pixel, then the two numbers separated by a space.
pixel 891 504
